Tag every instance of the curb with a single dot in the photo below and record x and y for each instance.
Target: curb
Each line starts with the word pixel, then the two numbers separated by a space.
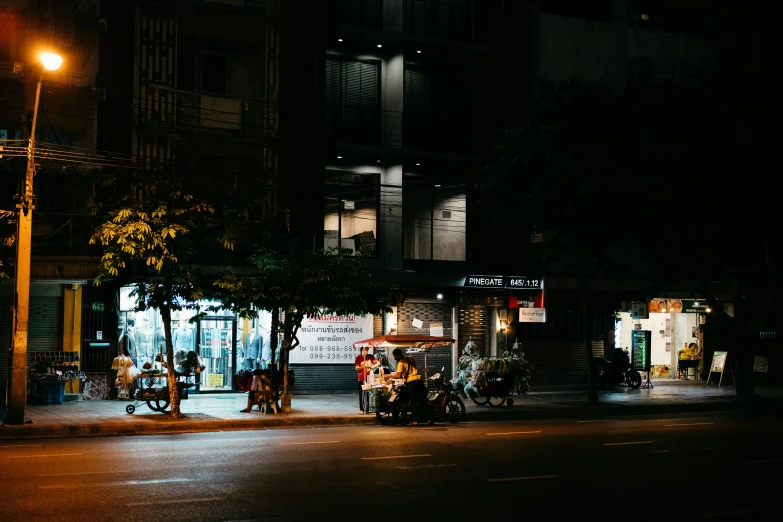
pixel 281 421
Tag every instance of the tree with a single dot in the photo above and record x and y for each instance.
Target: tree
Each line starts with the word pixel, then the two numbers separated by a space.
pixel 162 228
pixel 303 284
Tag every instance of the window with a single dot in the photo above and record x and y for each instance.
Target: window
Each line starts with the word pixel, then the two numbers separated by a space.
pixel 365 13
pixel 214 73
pixel 353 101
pixel 420 131
pixel 351 212
pixel 434 220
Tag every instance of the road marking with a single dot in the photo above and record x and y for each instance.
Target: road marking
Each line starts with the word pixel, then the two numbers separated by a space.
pixel 741 511
pixel 21 446
pixel 313 442
pixel 689 424
pixel 628 443
pixel 535 477
pixel 765 461
pixel 175 501
pixel 597 420
pixel 78 473
pixel 514 433
pixel 49 455
pixel 398 457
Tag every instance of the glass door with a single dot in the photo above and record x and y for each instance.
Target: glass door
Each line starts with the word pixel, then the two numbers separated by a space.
pixel 216 337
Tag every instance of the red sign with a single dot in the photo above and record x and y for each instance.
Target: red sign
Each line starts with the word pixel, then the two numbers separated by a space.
pixel 513 302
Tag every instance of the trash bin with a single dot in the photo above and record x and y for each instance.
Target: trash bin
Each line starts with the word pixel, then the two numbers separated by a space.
pixel 54 390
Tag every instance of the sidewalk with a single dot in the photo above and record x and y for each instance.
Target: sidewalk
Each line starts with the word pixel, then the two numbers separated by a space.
pixel 221 412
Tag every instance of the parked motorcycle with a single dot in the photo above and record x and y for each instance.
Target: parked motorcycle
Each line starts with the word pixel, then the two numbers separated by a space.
pixel 617 371
pixel 445 398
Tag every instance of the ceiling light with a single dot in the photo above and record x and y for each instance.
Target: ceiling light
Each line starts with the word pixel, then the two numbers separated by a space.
pixel 339 157
pixel 418 52
pixel 437 186
pixel 380 45
pixel 440 296
pixel 418 164
pixel 339 39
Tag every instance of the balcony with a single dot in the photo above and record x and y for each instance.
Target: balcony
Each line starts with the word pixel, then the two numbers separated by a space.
pixel 395 129
pixel 162 106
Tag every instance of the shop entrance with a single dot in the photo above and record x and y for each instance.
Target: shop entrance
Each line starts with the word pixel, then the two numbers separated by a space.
pixel 216 348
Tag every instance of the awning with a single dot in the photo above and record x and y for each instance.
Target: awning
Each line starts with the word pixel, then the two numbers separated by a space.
pixel 420 342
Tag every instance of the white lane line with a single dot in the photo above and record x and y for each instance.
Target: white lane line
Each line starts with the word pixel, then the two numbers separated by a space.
pixel 175 501
pixel 21 446
pixel 313 442
pixel 628 443
pixel 118 483
pixel 78 473
pixel 48 455
pixel 398 457
pixel 535 477
pixel 762 509
pixel 597 420
pixel 514 433
pixel 689 424
pixel 765 461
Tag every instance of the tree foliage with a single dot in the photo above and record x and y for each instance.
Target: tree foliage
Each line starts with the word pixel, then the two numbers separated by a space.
pixel 160 229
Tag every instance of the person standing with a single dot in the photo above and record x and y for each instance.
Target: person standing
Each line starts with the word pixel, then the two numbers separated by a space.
pixel 365 364
pixel 408 369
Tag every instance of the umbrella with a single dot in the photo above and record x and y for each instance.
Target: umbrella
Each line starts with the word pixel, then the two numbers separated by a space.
pixel 413 343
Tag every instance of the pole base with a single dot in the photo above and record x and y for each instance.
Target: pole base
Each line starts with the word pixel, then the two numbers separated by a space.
pixel 285 402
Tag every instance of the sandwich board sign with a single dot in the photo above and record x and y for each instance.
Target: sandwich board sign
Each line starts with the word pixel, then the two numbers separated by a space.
pixel 718 366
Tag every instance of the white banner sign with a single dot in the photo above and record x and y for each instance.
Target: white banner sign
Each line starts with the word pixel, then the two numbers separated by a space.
pixel 532 315
pixel 329 339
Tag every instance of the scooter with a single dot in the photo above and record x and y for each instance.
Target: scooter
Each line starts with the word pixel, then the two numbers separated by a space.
pixel 617 371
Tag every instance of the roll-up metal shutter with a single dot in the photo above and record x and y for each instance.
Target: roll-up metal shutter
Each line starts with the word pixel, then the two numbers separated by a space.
pixel 353 108
pixel 428 313
pixel 313 379
pixel 377 325
pixel 558 363
pixel 46 324
pixel 474 324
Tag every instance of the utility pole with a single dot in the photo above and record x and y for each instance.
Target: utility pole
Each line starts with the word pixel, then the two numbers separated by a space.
pixel 17 386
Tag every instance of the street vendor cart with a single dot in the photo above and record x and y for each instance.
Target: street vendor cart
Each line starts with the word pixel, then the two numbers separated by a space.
pixel 153 388
pixel 390 401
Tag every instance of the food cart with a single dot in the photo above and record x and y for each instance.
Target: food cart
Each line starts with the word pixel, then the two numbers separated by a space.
pixel 388 401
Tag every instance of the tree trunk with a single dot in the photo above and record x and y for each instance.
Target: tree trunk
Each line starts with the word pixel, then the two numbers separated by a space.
pixel 592 383
pixel 273 345
pixel 288 334
pixel 165 315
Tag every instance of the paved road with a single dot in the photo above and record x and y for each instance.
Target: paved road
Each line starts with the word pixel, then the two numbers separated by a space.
pixel 712 466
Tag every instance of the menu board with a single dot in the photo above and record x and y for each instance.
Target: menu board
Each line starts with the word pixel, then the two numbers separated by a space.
pixel 718 361
pixel 641 347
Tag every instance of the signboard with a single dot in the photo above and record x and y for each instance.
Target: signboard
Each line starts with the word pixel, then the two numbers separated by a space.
pixel 99 334
pixel 532 315
pixel 215 380
pixel 641 347
pixel 718 366
pixel 718 361
pixel 436 329
pixel 97 307
pixel 329 339
pixel 497 281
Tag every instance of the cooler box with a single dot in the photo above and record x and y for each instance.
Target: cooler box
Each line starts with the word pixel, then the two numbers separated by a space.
pixel 54 391
pixel 375 398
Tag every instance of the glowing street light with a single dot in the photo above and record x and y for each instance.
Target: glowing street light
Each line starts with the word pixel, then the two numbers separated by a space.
pixel 51 61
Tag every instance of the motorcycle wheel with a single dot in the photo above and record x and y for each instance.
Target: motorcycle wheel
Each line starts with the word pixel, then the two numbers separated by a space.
pixel 635 379
pixel 385 417
pixel 496 401
pixel 480 401
pixel 455 409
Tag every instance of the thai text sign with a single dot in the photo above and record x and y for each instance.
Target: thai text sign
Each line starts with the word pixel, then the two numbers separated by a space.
pixel 329 339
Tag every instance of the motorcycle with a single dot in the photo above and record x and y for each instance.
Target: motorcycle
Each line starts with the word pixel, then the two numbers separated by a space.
pixel 445 399
pixel 617 371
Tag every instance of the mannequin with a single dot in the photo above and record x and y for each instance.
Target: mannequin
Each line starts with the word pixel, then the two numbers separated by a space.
pixel 127 341
pixel 182 338
pixel 253 343
pixel 266 350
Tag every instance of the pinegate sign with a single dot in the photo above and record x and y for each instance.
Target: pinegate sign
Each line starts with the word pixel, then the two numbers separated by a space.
pixel 329 339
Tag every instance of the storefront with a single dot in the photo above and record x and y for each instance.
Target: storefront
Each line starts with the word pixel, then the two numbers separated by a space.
pixel 676 329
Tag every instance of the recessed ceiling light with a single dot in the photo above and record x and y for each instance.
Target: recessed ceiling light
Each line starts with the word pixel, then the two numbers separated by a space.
pixel 339 39
pixel 380 45
pixel 339 157
pixel 437 186
pixel 379 161
pixel 440 296
pixel 418 52
pixel 418 164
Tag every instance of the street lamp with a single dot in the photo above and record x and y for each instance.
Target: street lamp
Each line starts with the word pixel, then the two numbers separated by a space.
pixel 17 396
